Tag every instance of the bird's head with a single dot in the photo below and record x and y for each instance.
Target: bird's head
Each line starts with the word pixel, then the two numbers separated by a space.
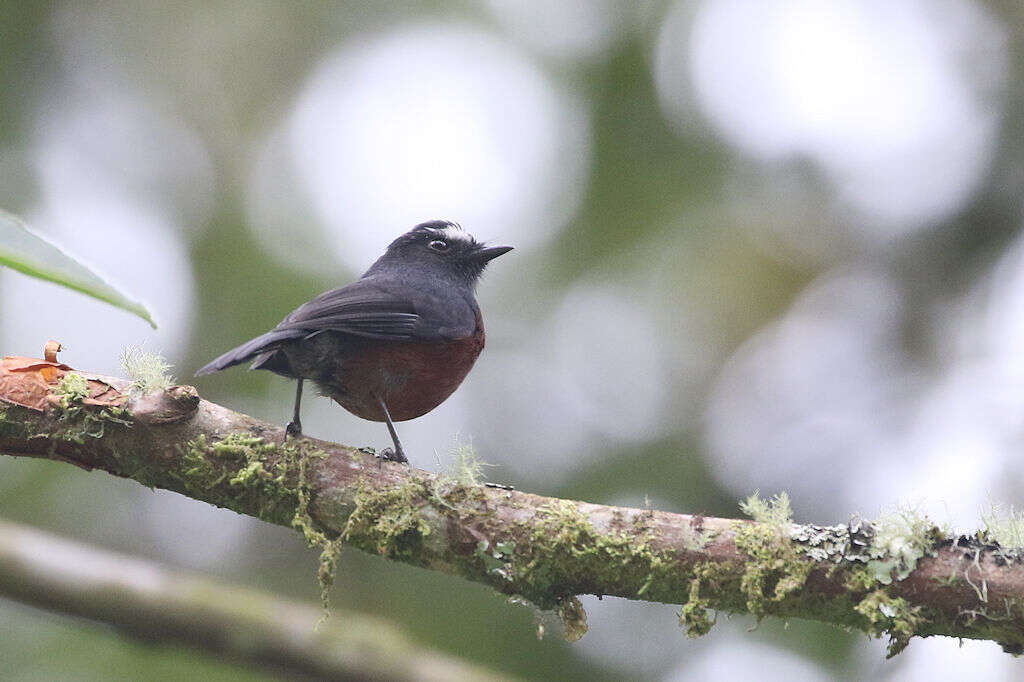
pixel 440 247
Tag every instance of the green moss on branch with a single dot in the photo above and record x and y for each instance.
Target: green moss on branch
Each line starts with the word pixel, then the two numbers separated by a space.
pixel 887 579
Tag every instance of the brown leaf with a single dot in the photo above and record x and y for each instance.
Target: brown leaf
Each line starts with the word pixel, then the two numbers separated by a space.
pixel 26 381
pixel 102 393
pixel 15 363
pixel 29 382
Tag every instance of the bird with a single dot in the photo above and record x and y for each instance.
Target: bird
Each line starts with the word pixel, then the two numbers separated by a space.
pixel 392 345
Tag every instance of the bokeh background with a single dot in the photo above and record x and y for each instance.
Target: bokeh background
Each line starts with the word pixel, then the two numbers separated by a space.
pixel 762 244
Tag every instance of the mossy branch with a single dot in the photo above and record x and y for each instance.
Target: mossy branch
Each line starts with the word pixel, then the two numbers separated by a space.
pixel 145 599
pixel 900 577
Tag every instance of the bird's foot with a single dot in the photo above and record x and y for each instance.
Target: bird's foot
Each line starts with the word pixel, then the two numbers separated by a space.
pixel 390 455
pixel 293 430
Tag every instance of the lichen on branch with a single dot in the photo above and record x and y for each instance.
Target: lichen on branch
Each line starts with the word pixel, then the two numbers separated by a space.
pixel 898 577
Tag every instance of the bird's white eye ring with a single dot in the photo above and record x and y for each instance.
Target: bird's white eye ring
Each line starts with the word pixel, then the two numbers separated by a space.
pixel 439 245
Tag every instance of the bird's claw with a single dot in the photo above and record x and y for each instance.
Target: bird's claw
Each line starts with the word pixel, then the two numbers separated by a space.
pixel 390 455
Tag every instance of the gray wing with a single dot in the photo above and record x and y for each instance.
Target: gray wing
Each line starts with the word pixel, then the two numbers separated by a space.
pixel 359 309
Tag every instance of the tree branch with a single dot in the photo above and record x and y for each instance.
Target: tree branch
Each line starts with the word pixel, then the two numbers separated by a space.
pixel 883 579
pixel 145 599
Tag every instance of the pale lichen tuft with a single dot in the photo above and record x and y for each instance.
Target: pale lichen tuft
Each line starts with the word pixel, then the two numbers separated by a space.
pixel 1004 525
pixel 695 539
pixel 466 469
pixel 901 538
pixel 775 511
pixel 147 371
pixel 776 568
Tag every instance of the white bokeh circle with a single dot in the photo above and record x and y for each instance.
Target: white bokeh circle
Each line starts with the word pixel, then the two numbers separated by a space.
pixel 897 103
pixel 813 400
pixel 437 121
pixel 592 374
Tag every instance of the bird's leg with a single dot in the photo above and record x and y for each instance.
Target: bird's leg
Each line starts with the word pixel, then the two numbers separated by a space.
pixel 294 427
pixel 396 455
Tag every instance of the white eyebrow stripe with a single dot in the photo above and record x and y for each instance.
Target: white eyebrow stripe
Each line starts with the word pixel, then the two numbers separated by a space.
pixel 453 234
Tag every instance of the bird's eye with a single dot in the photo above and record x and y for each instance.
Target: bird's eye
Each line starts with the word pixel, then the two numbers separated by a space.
pixel 439 245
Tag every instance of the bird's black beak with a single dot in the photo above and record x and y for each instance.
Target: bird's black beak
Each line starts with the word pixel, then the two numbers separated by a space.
pixel 490 253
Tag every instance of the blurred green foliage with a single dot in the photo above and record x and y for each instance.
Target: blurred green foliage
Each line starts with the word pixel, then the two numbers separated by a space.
pixel 653 196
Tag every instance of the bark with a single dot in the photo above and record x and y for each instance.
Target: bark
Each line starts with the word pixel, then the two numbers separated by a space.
pixel 147 600
pixel 897 577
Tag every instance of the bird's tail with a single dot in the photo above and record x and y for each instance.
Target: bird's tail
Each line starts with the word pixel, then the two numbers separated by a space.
pixel 250 349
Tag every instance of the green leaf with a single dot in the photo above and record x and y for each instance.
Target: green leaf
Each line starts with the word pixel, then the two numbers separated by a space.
pixel 24 251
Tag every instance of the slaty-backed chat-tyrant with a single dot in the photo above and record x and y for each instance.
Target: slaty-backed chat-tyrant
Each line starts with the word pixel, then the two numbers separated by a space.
pixel 392 345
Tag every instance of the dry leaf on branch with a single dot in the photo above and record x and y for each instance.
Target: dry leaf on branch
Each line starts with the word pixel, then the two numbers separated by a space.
pixel 30 382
